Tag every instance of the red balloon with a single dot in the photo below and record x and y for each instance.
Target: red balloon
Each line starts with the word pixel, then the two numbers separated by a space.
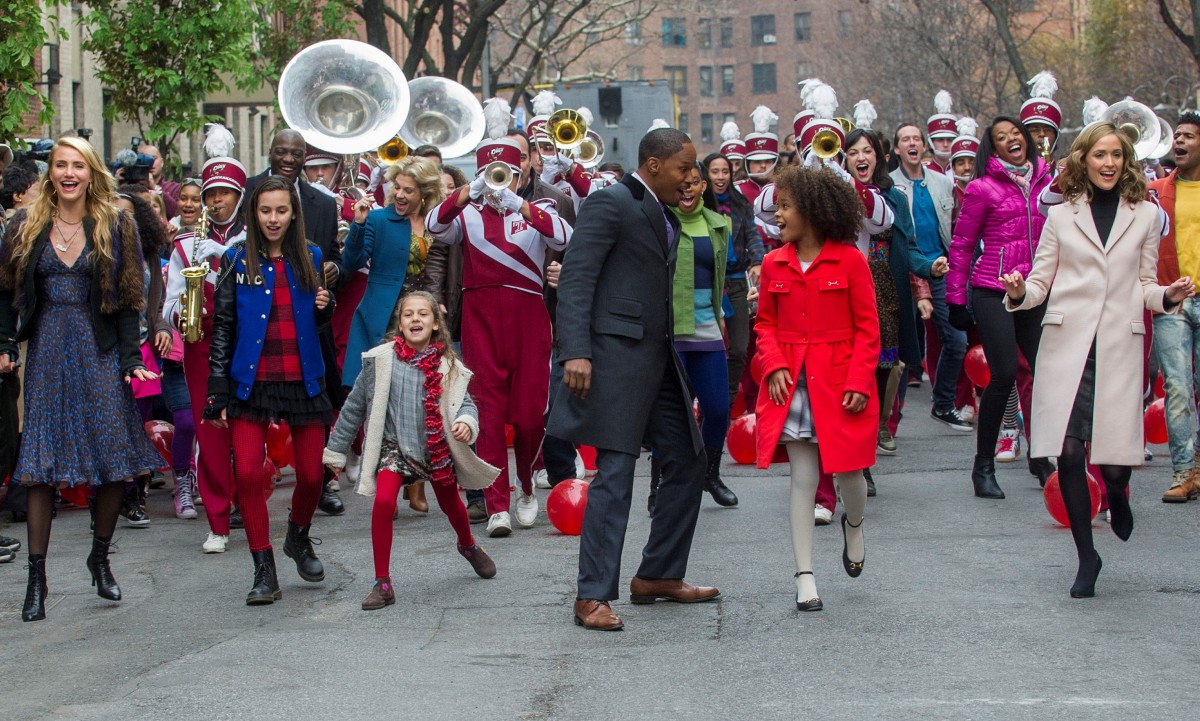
pixel 278 435
pixel 740 439
pixel 566 505
pixel 162 435
pixel 975 364
pixel 1155 422
pixel 1052 496
pixel 738 408
pixel 289 453
pixel 1159 390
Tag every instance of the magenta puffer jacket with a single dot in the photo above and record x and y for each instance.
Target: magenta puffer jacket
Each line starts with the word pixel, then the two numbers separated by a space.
pixel 995 211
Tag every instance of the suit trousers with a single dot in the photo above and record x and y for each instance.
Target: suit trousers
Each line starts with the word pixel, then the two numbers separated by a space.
pixel 675 511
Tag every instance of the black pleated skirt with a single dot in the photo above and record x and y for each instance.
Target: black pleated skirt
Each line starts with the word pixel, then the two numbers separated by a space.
pixel 288 402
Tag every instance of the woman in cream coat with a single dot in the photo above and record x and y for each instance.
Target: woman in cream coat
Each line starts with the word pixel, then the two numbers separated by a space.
pixel 1096 261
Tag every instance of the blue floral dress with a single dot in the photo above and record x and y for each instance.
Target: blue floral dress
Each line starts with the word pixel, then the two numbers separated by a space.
pixel 81 424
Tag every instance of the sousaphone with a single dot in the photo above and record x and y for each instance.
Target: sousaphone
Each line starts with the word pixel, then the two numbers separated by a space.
pixel 445 114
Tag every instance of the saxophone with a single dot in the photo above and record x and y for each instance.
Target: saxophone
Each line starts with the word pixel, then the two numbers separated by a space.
pixel 192 299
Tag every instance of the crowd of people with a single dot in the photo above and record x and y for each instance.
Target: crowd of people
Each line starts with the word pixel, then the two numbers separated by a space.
pixel 401 319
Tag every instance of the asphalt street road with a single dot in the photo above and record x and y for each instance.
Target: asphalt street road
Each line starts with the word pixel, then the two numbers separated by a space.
pixel 962 613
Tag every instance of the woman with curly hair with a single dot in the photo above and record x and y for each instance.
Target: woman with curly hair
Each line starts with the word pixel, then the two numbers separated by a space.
pixel 818 347
pixel 71 284
pixel 1098 252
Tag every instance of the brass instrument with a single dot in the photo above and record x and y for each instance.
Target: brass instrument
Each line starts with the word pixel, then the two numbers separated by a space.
pixel 1047 152
pixel 591 150
pixel 567 129
pixel 393 151
pixel 497 176
pixel 1139 123
pixel 846 123
pixel 826 144
pixel 443 113
pixel 191 301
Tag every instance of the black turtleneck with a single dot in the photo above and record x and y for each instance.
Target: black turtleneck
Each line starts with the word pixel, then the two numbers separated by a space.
pixel 1104 210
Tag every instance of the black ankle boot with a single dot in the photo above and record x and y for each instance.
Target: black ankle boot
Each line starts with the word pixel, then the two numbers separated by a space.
pixel 655 479
pixel 35 594
pixel 299 547
pixel 1042 468
pixel 102 575
pixel 712 479
pixel 1122 514
pixel 266 583
pixel 983 476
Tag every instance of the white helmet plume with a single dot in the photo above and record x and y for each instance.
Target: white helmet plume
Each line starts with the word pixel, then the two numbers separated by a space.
pixel 730 131
pixel 806 88
pixel 545 102
pixel 864 114
pixel 1093 108
pixel 218 141
pixel 1043 85
pixel 496 115
pixel 822 101
pixel 586 113
pixel 942 102
pixel 762 117
pixel 967 126
pixel 658 124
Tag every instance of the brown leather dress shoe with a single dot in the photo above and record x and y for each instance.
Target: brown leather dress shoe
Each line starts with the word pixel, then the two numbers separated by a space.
pixel 414 493
pixel 596 615
pixel 645 590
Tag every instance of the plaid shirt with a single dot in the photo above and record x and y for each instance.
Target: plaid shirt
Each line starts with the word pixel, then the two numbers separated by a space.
pixel 280 361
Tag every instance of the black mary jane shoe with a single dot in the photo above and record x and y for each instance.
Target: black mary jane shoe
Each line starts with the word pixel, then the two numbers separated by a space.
pixel 854 569
pixel 812 604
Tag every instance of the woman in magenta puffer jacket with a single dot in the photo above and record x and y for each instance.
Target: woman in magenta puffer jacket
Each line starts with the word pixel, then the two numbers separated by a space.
pixel 999 211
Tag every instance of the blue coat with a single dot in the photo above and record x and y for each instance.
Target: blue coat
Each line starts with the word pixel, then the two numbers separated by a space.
pixel 384 240
pixel 240 325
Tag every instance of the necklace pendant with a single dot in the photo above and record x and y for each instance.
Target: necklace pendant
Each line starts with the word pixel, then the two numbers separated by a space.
pixel 60 248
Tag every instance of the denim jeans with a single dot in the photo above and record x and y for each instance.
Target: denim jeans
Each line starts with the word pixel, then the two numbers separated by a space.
pixel 1177 346
pixel 954 347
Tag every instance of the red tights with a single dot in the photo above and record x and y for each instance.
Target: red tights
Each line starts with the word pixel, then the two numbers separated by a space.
pixel 387 489
pixel 249 456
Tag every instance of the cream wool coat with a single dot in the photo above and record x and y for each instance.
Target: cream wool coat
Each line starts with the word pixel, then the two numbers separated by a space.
pixel 469 469
pixel 1099 292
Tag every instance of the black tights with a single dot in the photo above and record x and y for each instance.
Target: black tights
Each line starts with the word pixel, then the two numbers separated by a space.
pixel 1072 479
pixel 1002 334
pixel 41 506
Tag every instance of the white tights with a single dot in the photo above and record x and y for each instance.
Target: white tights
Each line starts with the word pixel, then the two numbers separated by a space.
pixel 805 462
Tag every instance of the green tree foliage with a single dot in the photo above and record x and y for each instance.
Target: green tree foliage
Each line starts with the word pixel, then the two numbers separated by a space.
pixel 160 58
pixel 284 27
pixel 21 37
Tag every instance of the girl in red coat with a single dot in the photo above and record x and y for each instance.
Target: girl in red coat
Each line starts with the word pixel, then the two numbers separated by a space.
pixel 818 343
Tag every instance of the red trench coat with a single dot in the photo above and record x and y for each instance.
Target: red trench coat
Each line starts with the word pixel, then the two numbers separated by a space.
pixel 825 321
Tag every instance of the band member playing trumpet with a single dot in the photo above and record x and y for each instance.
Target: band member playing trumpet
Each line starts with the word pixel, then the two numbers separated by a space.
pixel 223 185
pixel 505 324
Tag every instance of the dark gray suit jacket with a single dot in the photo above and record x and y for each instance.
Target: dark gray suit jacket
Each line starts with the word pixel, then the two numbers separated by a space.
pixel 614 308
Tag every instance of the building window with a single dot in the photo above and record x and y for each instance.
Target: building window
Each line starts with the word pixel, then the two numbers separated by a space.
pixel 727 80
pixel 803 27
pixel 726 28
pixel 804 70
pixel 673 33
pixel 845 21
pixel 677 77
pixel 706 81
pixel 633 32
pixel 706 127
pixel 704 32
pixel 634 72
pixel 729 118
pixel 764 77
pixel 762 30
pixel 683 122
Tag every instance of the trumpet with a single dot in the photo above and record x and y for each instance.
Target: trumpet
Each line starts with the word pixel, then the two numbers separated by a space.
pixel 192 298
pixel 393 151
pixel 497 176
pixel 826 144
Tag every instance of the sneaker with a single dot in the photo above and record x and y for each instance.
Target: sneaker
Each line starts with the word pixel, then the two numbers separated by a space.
pixel 527 510
pixel 215 543
pixel 541 479
pixel 1007 448
pixel 158 478
pixel 499 525
pixel 822 516
pixel 184 508
pixel 134 515
pixel 952 419
pixel 1148 454
pixel 886 443
pixel 1182 489
pixel 477 512
pixel 235 519
pixel 967 413
pixel 7 556
pixel 195 488
pixel 9 544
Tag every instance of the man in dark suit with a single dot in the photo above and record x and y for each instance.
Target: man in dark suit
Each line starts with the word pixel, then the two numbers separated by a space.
pixel 624 385
pixel 320 213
